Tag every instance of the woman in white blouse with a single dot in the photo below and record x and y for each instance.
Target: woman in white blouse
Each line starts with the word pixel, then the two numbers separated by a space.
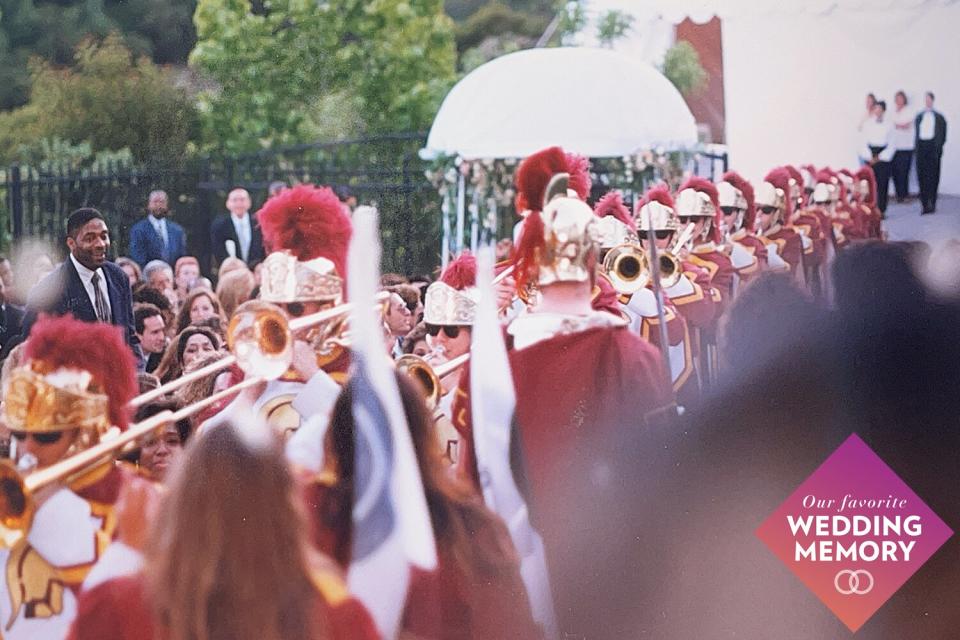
pixel 903 140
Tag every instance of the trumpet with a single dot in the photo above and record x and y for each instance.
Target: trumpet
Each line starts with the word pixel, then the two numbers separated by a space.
pixel 627 267
pixel 428 376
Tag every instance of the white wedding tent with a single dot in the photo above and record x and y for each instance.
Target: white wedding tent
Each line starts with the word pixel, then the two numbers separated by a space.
pixel 795 73
pixel 595 102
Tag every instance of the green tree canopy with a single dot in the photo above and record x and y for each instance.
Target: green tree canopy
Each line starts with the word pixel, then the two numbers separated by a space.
pixel 51 30
pixel 282 68
pixel 681 66
pixel 108 98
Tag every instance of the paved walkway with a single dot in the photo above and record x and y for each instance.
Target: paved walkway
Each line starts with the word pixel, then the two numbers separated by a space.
pixel 904 221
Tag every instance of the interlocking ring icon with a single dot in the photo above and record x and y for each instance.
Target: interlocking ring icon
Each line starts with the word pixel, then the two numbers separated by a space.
pixel 853 584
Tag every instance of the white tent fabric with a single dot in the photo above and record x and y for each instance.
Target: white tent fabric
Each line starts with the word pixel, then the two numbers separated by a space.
pixel 595 102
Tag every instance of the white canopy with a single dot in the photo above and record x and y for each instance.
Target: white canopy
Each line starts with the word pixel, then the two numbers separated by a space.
pixel 594 102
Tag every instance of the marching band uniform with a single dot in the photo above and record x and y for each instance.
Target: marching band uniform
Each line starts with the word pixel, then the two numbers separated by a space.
pixel 77 381
pixel 806 222
pixel 452 302
pixel 735 194
pixel 844 227
pixel 640 307
pixel 773 195
pixel 696 201
pixel 866 197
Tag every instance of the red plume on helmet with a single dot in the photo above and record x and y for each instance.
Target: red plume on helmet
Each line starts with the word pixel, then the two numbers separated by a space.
pixel 659 193
pixel 866 173
pixel 780 178
pixel 579 169
pixel 461 273
pixel 97 348
pixel 740 183
pixel 612 205
pixel 798 180
pixel 309 222
pixel 533 176
pixel 705 186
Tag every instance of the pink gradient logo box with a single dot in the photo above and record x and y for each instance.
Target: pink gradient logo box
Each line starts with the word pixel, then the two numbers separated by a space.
pixel 853 532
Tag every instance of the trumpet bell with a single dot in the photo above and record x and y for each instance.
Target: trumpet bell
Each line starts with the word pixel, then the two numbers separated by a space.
pixel 16 505
pixel 627 268
pixel 670 270
pixel 259 336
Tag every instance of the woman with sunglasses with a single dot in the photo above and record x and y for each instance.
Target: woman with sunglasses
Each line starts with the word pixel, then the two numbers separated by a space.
pixel 73 387
pixel 450 309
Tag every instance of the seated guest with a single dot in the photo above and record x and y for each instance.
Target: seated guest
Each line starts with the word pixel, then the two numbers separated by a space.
pixel 145 294
pixel 205 387
pixel 230 264
pixel 159 451
pixel 11 317
pixel 159 275
pixel 198 306
pixel 131 268
pixel 151 329
pixel 415 342
pixel 235 288
pixel 189 345
pixel 186 276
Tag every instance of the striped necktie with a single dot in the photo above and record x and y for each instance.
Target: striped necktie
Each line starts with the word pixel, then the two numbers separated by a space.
pixel 101 305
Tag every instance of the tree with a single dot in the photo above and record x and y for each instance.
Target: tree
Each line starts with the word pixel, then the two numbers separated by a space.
pixel 160 29
pixel 386 63
pixel 109 99
pixel 612 26
pixel 681 65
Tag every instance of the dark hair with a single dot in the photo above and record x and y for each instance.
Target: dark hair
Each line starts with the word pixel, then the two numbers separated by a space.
pixel 418 333
pixel 932 97
pixel 882 104
pixel 80 217
pixel 902 95
pixel 871 95
pixel 144 293
pixel 142 311
pixel 166 404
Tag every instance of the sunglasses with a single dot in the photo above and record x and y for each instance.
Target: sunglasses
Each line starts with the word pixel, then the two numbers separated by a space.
pixel 49 437
pixel 451 331
pixel 729 211
pixel 768 210
pixel 661 234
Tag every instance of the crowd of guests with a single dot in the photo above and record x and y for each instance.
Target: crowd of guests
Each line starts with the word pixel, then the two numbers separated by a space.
pixel 895 140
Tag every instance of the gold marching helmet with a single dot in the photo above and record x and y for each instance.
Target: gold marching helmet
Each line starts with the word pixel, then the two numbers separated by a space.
pixel 453 299
pixel 76 375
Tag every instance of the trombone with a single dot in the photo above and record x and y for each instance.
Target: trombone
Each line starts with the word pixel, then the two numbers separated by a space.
pixel 628 267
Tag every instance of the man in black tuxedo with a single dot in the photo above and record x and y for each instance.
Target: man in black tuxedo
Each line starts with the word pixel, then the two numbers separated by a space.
pixel 11 317
pixel 86 285
pixel 931 129
pixel 237 234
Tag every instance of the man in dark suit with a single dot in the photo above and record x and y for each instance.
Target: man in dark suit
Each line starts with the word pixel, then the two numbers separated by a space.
pixel 11 317
pixel 156 237
pixel 237 234
pixel 86 285
pixel 931 129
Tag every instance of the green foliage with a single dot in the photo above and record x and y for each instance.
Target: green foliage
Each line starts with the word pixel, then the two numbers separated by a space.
pixel 498 20
pixel 389 61
pixel 108 99
pixel 572 21
pixel 161 29
pixel 612 26
pixel 681 65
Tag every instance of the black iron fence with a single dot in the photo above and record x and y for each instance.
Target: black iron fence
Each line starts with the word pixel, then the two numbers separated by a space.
pixel 385 171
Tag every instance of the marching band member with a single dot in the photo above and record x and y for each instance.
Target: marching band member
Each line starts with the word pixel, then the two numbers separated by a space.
pixel 640 304
pixel 697 202
pixel 810 227
pixel 74 386
pixel 735 197
pixel 224 556
pixel 866 197
pixel 827 197
pixel 775 209
pixel 579 375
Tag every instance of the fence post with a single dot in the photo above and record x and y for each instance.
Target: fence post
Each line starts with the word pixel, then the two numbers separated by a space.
pixel 16 202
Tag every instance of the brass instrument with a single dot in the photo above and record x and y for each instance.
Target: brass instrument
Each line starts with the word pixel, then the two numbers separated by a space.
pixel 627 267
pixel 261 338
pixel 429 376
pixel 670 267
